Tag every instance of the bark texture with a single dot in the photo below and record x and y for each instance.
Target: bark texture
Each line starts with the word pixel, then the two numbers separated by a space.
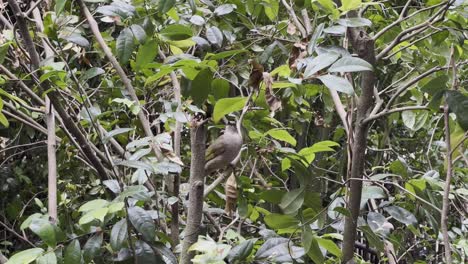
pixel 363 45
pixel 197 178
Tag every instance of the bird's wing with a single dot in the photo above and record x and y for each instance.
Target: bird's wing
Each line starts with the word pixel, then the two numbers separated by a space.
pixel 215 149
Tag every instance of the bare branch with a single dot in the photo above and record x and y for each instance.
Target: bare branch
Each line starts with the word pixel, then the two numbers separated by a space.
pixel 123 76
pixel 296 21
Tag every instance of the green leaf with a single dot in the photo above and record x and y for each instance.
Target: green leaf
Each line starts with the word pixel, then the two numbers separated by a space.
pixel 436 84
pixel 401 215
pixel 215 36
pixel 350 64
pixel 292 201
pixel 314 251
pixel 26 256
pixel 220 88
pixel 4 120
pixel 45 230
pixel 142 222
pixel 330 246
pixel 118 235
pixel 91 73
pixel 280 221
pixel 176 32
pixel 271 9
pixel 73 253
pixel 224 9
pixel 125 45
pixel 59 5
pixel 224 54
pixel 4 50
pixel 92 247
pixel 320 62
pixel 48 258
pixel 92 205
pixel 116 132
pixel 165 5
pixel 458 104
pixel 226 106
pixel 349 5
pixel 241 251
pixel 145 254
pixel 355 22
pixel 337 83
pixel 139 33
pixel 201 86
pixel 282 135
pixel 373 239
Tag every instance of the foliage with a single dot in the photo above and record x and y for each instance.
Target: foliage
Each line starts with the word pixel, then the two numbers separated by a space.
pixel 292 177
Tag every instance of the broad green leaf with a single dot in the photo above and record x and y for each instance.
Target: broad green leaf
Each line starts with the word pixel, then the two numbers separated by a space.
pixel 355 22
pixel 25 256
pixel 92 247
pixel 373 239
pixel 320 62
pixel 45 230
pixel 135 191
pixel 197 20
pixel 313 40
pixel 143 222
pixel 271 9
pixel 337 83
pixel 48 258
pixel 220 88
pixel 279 248
pixel 224 54
pixel 435 85
pixel 201 86
pixel 145 254
pixel 176 32
pixel 292 201
pixel 4 120
pixel 350 64
pixel 330 246
pixel 73 253
pixel 125 45
pixel 401 215
pixel 241 251
pixel 214 36
pixel 59 5
pixel 116 132
pixel 92 205
pixel 458 104
pixel 165 5
pixel 4 50
pixel 146 54
pixel 282 135
pixel 138 32
pixel 349 5
pixel 118 235
pixel 314 251
pixel 226 106
pixel 224 9
pixel 28 220
pixel 91 73
pixel 280 221
pixel 98 213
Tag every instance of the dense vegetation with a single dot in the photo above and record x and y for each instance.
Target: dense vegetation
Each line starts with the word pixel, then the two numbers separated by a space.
pixel 353 116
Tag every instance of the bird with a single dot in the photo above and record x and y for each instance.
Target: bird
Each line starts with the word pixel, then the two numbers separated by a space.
pixel 223 150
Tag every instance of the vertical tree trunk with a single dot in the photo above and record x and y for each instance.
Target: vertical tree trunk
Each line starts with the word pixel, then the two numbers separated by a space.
pixel 50 121
pixel 364 46
pixel 197 179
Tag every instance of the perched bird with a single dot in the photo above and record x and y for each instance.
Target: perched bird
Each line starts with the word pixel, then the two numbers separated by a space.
pixel 223 150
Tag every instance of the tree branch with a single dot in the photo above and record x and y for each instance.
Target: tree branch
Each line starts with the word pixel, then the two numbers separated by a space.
pixel 54 95
pixel 395 110
pixel 123 76
pixel 296 21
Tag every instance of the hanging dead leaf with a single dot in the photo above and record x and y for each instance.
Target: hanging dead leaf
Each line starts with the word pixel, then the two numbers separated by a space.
pixel 292 29
pixel 273 102
pixel 230 190
pixel 298 52
pixel 255 75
